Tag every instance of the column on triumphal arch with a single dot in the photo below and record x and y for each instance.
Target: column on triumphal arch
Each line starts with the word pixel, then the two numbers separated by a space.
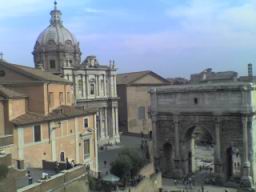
pixel 217 155
pixel 246 180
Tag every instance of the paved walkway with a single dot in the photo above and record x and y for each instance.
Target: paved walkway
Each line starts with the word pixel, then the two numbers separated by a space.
pixel 168 186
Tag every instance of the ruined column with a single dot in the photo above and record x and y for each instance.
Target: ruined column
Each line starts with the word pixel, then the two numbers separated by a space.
pixel 177 140
pixel 246 180
pixel 154 127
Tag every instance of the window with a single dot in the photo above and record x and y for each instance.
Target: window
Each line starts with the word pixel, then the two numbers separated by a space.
pixel 2 73
pixel 37 133
pixel 51 99
pixel 86 148
pixel 68 97
pixel 61 98
pixel 92 89
pixel 80 87
pixel 52 64
pixel 86 123
pixel 141 113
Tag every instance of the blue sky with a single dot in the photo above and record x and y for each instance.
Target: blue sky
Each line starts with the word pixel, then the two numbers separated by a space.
pixel 171 37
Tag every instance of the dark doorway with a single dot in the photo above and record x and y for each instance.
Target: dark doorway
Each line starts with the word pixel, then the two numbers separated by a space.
pixel 229 163
pixel 62 156
pixel 167 149
pixel 190 162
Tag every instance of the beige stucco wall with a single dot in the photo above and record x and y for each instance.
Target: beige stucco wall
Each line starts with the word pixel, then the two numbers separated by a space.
pixel 132 97
pixel 56 89
pixel 36 100
pixel 16 108
pixel 65 138
pixel 2 129
pixel 138 97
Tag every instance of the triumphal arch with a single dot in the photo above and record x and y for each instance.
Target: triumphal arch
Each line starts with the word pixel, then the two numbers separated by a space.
pixel 205 126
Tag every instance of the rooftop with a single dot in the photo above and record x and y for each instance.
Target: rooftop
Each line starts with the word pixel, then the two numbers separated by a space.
pixel 9 93
pixel 129 78
pixel 60 113
pixel 35 74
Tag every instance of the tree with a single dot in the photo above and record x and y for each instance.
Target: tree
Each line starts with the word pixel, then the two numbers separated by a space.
pixel 121 167
pixel 128 164
pixel 3 171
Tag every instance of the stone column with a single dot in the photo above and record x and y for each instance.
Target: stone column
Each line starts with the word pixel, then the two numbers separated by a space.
pixel 178 169
pixel 113 121
pixel 154 111
pixel 85 87
pixel 193 163
pixel 117 129
pixel 218 165
pixel 177 139
pixel 246 180
pixel 106 120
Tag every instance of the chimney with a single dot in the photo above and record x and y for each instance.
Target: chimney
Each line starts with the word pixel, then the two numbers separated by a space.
pixel 250 72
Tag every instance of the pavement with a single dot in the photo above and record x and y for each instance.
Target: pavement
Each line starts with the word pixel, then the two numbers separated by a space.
pixel 169 186
pixel 36 174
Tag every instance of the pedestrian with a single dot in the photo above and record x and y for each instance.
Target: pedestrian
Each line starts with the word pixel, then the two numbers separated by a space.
pixel 105 164
pixel 68 165
pixel 73 164
pixel 57 167
pixel 30 178
pixel 202 187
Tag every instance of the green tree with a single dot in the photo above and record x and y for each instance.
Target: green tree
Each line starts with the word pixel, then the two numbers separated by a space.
pixel 3 171
pixel 128 164
pixel 121 167
pixel 136 158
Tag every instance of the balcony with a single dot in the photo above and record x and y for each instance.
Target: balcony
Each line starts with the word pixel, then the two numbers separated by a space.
pixel 6 140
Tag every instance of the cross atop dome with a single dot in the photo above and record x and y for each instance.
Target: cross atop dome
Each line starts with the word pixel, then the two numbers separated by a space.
pixel 56 15
pixel 55 5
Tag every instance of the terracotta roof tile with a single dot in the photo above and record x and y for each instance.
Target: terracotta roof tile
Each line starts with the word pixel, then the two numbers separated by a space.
pixel 9 93
pixel 61 113
pixel 36 74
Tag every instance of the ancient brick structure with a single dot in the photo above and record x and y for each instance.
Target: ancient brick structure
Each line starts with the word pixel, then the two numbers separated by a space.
pixel 214 119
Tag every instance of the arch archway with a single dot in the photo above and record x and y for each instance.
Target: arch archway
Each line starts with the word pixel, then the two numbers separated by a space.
pixel 199 145
pixel 167 160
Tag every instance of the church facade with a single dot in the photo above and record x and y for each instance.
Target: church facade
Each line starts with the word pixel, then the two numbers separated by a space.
pixel 57 51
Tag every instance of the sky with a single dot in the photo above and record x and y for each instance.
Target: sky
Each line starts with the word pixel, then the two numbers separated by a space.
pixel 174 38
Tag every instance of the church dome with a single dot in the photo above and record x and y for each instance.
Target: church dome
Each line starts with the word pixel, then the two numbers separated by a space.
pixel 56 34
pixel 56 47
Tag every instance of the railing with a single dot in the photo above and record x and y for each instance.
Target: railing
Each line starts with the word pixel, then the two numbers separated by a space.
pixel 6 140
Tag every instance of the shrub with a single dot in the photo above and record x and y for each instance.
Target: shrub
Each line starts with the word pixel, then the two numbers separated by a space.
pixel 128 164
pixel 3 171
